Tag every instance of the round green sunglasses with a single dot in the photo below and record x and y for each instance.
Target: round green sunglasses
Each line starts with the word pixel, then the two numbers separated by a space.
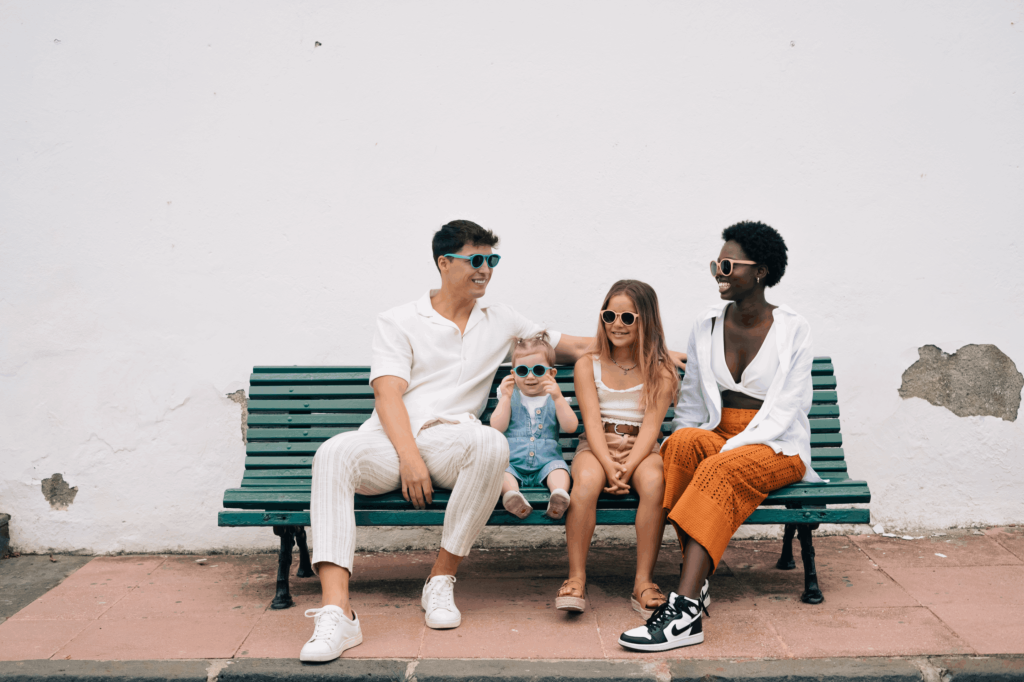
pixel 524 371
pixel 477 259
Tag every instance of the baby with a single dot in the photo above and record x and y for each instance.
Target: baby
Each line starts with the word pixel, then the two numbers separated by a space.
pixel 530 411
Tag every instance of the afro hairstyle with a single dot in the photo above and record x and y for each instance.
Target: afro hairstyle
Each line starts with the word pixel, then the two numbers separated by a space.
pixel 762 244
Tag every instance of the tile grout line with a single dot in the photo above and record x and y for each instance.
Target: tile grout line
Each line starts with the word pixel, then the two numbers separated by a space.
pixel 778 636
pixel 881 570
pixel 996 539
pixel 254 624
pixel 918 601
pixel 597 626
pixel 767 616
pixel 423 637
pixel 98 615
pixel 950 629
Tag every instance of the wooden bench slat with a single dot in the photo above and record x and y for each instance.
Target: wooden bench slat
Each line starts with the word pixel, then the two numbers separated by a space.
pixel 289 498
pixel 818 426
pixel 292 477
pixel 271 369
pixel 828 460
pixel 822 440
pixel 361 375
pixel 620 517
pixel 271 484
pixel 365 405
pixel 299 470
pixel 349 418
pixel 362 390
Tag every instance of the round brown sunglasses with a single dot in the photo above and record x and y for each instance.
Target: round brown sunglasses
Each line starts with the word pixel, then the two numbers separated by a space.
pixel 609 317
pixel 724 266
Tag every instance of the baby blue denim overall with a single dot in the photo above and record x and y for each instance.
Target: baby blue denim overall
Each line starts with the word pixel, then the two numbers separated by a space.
pixel 534 451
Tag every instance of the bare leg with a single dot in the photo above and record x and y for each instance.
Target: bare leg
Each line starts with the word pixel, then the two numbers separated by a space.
pixel 508 482
pixel 334 583
pixel 649 483
pixel 696 568
pixel 680 535
pixel 589 478
pixel 446 564
pixel 559 478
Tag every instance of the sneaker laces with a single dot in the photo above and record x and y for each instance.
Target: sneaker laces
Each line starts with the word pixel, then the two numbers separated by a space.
pixel 325 622
pixel 668 612
pixel 442 592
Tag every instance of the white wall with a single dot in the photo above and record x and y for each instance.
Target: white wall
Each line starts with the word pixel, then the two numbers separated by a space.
pixel 191 188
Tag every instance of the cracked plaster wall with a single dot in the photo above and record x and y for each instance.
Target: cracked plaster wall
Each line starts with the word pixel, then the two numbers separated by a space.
pixel 183 199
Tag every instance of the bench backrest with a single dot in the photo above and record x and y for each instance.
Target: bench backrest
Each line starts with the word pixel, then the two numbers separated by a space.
pixel 294 409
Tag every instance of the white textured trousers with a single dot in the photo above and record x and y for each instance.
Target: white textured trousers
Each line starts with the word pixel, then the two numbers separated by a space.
pixel 469 459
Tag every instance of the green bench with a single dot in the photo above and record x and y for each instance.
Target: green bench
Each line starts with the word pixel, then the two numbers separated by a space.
pixel 294 409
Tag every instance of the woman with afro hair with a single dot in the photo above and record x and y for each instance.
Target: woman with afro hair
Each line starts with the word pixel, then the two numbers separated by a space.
pixel 741 427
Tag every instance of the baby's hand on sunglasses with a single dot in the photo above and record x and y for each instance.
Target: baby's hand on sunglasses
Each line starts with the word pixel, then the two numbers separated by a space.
pixel 506 386
pixel 551 387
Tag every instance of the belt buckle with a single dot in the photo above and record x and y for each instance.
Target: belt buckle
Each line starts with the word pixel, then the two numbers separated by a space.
pixel 615 428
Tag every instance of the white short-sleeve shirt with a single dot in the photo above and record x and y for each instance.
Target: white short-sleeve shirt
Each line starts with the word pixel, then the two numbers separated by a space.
pixel 449 372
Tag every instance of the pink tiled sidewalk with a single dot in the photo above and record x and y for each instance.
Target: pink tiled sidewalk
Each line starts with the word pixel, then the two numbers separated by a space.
pixel 883 597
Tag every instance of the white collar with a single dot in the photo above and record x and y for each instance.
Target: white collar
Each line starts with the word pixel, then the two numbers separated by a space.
pixel 426 309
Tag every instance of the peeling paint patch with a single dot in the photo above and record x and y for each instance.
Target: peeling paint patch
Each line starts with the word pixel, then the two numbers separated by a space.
pixel 243 400
pixel 58 493
pixel 978 379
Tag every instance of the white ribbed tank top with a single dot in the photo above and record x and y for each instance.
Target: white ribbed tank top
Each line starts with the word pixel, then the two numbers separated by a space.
pixel 618 406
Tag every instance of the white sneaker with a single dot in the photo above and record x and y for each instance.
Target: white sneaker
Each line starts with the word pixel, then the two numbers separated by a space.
pixel 439 603
pixel 332 634
pixel 558 503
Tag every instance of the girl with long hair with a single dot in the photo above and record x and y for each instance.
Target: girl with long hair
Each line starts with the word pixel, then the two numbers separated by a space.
pixel 624 388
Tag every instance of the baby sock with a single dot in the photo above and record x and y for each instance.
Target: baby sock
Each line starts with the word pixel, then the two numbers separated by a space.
pixel 514 502
pixel 558 503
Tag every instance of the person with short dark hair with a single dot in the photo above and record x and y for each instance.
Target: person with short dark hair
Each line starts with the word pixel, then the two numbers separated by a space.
pixel 433 362
pixel 741 426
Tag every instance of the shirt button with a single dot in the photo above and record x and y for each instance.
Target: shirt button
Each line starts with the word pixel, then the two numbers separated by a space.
pixel 531 437
pixel 538 411
pixel 531 454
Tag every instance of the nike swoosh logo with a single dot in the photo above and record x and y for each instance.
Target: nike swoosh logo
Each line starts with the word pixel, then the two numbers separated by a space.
pixel 676 633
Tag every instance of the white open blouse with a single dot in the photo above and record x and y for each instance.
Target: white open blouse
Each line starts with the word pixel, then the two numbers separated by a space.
pixel 782 422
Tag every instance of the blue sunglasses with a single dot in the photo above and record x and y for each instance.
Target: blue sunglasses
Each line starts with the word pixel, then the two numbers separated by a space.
pixel 538 371
pixel 477 259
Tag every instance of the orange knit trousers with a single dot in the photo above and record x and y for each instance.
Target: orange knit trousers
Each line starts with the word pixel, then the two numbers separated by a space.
pixel 708 493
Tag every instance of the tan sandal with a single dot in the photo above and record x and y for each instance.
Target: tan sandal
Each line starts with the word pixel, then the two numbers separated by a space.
pixel 647 608
pixel 567 602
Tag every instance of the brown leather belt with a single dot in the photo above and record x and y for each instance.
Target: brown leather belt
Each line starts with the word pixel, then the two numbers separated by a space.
pixel 621 429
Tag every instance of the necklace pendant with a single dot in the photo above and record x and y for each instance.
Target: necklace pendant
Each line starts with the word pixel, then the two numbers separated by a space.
pixel 625 372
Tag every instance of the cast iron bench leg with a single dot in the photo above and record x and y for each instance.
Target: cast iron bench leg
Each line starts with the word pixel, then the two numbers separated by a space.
pixel 812 594
pixel 785 561
pixel 283 598
pixel 305 569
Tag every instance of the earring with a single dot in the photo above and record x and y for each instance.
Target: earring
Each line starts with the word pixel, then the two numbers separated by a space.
pixel 758 280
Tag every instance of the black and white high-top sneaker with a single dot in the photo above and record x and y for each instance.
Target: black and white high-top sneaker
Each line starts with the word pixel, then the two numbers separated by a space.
pixel 674 624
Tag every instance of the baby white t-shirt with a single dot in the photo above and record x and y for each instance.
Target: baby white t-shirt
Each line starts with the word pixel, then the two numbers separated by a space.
pixel 532 404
